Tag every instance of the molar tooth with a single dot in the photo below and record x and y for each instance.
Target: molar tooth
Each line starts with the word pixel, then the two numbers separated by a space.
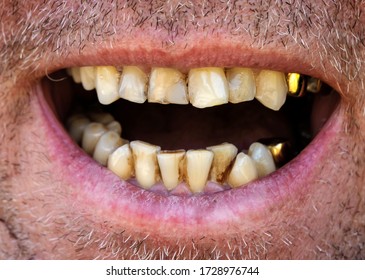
pixel 314 85
pixel 271 89
pixel 243 171
pixel 121 162
pixel 107 80
pixel 87 74
pixel 263 159
pixel 207 87
pixel 223 156
pixel 145 163
pixel 76 126
pixel 167 85
pixel 170 163
pixel 133 84
pixel 101 117
pixel 198 163
pixel 75 73
pixel 91 136
pixel 115 126
pixel 107 144
pixel 242 84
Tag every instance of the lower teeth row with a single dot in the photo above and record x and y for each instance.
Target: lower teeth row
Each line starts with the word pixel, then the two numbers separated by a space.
pixel 99 136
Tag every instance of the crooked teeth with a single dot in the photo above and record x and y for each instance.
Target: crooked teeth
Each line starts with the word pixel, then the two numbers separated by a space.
pixel 263 159
pixel 107 143
pixel 170 163
pixel 243 171
pixel 87 76
pixel 198 163
pixel 145 163
pixel 167 85
pixel 121 162
pixel 242 84
pixel 107 81
pixel 207 87
pixel 91 136
pixel 271 89
pixel 133 83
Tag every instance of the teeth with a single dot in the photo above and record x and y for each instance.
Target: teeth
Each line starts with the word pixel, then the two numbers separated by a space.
pixel 242 84
pixel 296 84
pixel 76 75
pixel 271 89
pixel 115 126
pixel 243 171
pixel 76 127
pixel 101 117
pixel 223 156
pixel 133 84
pixel 107 143
pixel 198 163
pixel 207 87
pixel 170 163
pixel 121 162
pixel 263 159
pixel 145 163
pixel 87 74
pixel 91 136
pixel 107 80
pixel 167 85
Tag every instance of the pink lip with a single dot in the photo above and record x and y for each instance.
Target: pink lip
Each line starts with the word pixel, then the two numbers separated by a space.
pixel 95 187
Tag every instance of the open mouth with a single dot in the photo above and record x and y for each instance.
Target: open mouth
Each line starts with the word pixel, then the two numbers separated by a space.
pixel 192 132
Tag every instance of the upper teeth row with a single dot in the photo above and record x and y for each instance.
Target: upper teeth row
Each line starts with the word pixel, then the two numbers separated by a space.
pixel 99 136
pixel 203 87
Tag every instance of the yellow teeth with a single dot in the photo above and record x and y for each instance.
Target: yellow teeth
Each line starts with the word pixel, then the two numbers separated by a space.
pixel 87 77
pixel 91 136
pixel 242 85
pixel 76 75
pixel 207 87
pixel 198 163
pixel 145 163
pixel 166 86
pixel 107 143
pixel 133 84
pixel 101 117
pixel 271 89
pixel 76 126
pixel 243 171
pixel 121 162
pixel 170 163
pixel 263 159
pixel 107 81
pixel 115 126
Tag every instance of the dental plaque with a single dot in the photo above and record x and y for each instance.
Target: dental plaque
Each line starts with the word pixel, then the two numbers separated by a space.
pixel 140 144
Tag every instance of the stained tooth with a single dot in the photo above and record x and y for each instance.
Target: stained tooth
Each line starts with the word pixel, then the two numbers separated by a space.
pixel 198 163
pixel 107 144
pixel 76 126
pixel 314 85
pixel 145 163
pixel 115 126
pixel 223 156
pixel 263 159
pixel 76 75
pixel 271 89
pixel 207 87
pixel 101 117
pixel 243 171
pixel 133 84
pixel 106 83
pixel 121 162
pixel 87 74
pixel 167 85
pixel 242 84
pixel 91 136
pixel 170 163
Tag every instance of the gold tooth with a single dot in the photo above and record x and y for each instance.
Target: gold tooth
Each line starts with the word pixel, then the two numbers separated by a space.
pixel 280 148
pixel 314 85
pixel 296 84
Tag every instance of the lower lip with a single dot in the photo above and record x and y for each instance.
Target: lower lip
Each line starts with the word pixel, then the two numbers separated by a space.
pixel 95 187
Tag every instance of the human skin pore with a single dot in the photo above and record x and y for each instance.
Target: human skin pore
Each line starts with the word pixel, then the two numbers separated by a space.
pixel 58 203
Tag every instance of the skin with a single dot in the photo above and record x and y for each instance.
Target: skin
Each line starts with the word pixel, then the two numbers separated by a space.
pixel 45 214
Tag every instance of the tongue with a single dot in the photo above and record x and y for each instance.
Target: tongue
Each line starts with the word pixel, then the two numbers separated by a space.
pixel 185 127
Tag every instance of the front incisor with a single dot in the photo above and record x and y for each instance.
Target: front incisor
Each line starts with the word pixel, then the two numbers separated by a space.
pixel 170 163
pixel 145 163
pixel 242 84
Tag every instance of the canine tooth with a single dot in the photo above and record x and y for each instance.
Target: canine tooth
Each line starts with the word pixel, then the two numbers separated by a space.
pixel 145 163
pixel 76 75
pixel 198 164
pixel 296 84
pixel 114 126
pixel 107 144
pixel 91 136
pixel 121 162
pixel 271 89
pixel 106 83
pixel 263 159
pixel 170 165
pixel 207 87
pixel 223 156
pixel 133 84
pixel 87 74
pixel 242 84
pixel 76 127
pixel 101 117
pixel 167 85
pixel 243 171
